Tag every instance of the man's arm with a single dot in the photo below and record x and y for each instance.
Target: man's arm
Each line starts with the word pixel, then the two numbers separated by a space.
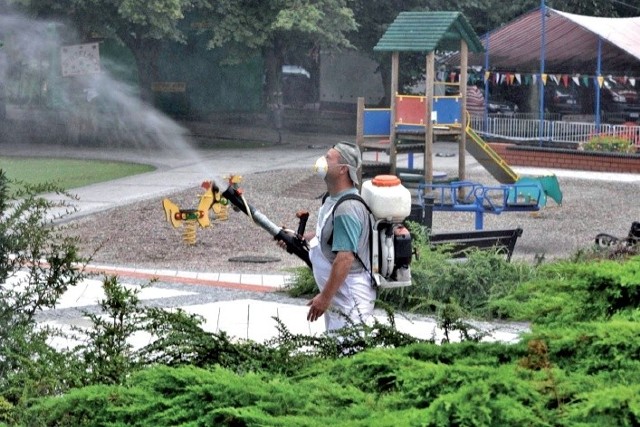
pixel 339 271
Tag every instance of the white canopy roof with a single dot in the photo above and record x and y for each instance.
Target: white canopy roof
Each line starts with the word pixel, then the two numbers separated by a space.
pixel 571 44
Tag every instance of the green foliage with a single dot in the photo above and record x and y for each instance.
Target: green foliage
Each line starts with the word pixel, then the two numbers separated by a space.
pixel 438 279
pixel 594 347
pixel 281 24
pixel 303 284
pixel 616 405
pixel 574 292
pixel 609 144
pixel 37 264
pixel 277 30
pixel 561 374
pixel 107 352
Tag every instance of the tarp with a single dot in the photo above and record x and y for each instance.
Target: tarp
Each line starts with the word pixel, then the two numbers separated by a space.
pixel 571 44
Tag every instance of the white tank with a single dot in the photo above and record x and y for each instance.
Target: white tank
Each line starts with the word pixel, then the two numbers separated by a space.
pixel 387 197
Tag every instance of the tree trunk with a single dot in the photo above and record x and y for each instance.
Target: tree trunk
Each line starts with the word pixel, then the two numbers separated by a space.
pixel 385 73
pixel 273 86
pixel 146 53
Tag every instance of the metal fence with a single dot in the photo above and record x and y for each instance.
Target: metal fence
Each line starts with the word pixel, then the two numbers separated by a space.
pixel 517 129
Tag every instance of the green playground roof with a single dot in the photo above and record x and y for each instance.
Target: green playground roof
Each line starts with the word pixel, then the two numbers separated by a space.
pixel 429 31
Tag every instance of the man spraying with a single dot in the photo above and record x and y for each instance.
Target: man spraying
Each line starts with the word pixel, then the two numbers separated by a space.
pixel 339 246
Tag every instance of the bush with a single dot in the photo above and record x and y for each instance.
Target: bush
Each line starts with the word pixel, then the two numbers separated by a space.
pixel 438 279
pixel 37 265
pixel 609 144
pixel 568 292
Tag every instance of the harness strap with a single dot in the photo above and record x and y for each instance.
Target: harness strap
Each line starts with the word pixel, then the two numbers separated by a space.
pixel 330 240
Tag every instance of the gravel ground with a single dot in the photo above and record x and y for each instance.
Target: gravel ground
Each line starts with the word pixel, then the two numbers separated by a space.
pixel 138 235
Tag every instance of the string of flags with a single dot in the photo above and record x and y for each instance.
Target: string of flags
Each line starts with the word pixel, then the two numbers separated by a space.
pixel 509 78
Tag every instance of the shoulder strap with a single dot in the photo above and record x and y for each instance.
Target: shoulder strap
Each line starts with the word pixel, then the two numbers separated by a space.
pixel 353 196
pixel 350 196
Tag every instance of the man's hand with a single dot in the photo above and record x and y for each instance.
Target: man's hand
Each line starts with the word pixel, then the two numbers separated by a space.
pixel 318 305
pixel 307 236
pixel 282 243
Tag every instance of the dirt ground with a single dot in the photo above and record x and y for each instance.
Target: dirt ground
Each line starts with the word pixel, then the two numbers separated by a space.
pixel 139 235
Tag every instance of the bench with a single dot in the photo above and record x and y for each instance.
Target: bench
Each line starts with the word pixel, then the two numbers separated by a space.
pixel 502 240
pixel 632 239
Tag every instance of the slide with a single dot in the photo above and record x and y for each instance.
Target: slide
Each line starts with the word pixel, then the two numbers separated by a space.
pixel 489 159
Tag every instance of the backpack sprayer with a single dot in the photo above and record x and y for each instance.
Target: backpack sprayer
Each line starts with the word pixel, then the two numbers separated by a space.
pixel 391 246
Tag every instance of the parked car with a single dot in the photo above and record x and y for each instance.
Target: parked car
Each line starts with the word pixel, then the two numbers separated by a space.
pixel 561 99
pixel 297 86
pixel 501 107
pixel 620 98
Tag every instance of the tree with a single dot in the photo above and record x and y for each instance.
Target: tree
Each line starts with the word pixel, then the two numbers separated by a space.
pixel 140 25
pixel 274 28
pixel 374 17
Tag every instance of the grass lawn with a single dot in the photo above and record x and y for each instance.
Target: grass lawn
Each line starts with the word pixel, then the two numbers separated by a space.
pixel 67 173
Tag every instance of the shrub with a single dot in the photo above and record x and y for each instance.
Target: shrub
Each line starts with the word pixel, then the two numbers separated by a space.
pixel 471 284
pixel 37 265
pixel 574 292
pixel 609 144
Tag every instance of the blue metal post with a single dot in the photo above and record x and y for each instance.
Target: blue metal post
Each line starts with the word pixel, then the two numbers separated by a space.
pixel 542 56
pixel 597 84
pixel 485 115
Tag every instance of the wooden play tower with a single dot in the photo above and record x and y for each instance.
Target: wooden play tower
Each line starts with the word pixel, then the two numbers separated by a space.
pixel 411 122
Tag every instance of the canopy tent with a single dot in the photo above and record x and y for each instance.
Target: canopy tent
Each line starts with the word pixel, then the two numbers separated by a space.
pixel 546 40
pixel 571 44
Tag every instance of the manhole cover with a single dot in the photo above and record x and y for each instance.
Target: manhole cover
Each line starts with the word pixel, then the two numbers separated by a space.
pixel 254 258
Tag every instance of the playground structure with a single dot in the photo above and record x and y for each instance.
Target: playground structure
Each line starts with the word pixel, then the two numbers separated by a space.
pixel 210 200
pixel 411 124
pixel 530 195
pixel 219 201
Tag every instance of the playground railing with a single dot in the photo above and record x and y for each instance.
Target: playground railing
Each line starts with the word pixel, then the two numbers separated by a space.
pixel 552 130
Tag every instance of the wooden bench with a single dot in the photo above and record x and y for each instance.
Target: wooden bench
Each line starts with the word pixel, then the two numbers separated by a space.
pixel 502 240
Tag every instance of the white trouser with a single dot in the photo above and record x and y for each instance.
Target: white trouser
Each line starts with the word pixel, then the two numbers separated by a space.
pixel 354 299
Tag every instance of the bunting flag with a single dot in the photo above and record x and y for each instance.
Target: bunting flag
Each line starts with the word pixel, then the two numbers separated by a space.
pixel 512 78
